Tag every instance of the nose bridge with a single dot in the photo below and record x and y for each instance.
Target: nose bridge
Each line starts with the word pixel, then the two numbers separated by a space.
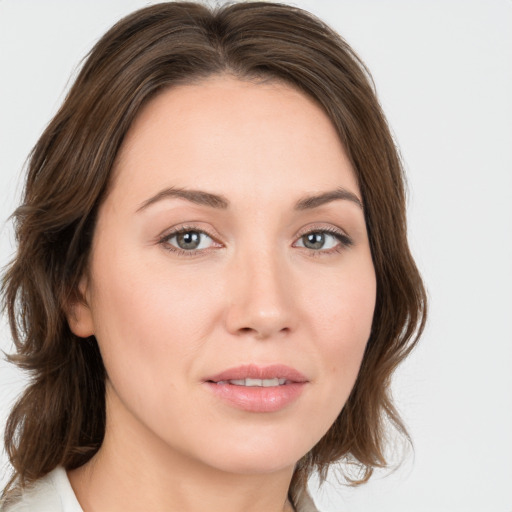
pixel 260 295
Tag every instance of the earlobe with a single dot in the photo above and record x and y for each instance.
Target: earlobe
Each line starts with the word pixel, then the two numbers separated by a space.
pixel 79 313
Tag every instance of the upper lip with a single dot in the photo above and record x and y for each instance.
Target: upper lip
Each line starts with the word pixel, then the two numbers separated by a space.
pixel 252 371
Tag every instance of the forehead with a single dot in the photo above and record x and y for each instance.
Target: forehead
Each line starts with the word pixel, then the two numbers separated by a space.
pixel 253 137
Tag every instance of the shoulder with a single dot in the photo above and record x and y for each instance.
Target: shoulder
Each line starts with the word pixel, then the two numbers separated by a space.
pixel 303 501
pixel 52 493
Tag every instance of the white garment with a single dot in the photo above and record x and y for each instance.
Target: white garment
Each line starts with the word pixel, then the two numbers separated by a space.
pixel 53 493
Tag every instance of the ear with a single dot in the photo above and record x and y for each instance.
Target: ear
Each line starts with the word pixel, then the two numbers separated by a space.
pixel 78 311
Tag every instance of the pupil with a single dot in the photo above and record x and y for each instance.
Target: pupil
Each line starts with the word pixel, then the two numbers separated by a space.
pixel 188 240
pixel 314 240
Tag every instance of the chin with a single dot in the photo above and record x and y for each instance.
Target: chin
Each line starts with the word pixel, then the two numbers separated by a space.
pixel 257 464
pixel 261 454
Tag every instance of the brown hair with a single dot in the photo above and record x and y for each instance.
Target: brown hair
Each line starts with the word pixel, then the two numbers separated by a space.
pixel 60 417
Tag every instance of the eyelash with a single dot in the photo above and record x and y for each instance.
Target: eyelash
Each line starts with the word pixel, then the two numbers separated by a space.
pixel 345 241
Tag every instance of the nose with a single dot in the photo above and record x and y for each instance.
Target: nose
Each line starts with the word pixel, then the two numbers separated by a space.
pixel 261 296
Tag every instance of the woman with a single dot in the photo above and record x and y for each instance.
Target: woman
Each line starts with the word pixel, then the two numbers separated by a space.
pixel 213 286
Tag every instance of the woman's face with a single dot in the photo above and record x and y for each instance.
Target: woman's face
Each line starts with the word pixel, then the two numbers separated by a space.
pixel 231 287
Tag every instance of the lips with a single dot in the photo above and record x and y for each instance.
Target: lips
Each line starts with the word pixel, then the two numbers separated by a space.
pixel 258 388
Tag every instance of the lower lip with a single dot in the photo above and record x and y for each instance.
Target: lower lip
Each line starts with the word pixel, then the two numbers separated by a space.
pixel 256 398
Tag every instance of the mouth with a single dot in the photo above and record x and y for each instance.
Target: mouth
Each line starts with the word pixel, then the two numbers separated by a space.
pixel 259 376
pixel 261 383
pixel 258 388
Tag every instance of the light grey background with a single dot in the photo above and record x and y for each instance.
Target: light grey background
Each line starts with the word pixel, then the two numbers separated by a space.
pixel 443 71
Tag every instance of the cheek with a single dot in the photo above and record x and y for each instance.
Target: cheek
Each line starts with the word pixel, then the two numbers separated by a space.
pixel 149 325
pixel 150 334
pixel 343 317
pixel 143 311
pixel 343 310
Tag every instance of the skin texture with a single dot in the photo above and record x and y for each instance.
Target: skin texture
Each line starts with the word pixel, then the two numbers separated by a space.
pixel 255 292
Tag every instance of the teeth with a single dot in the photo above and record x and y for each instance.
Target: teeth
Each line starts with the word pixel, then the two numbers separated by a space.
pixel 261 382
pixel 265 383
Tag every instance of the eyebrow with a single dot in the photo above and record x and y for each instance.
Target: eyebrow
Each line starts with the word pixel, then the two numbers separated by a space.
pixel 310 202
pixel 220 202
pixel 194 196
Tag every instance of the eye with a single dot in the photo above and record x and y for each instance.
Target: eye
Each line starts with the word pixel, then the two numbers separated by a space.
pixel 187 241
pixel 324 240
